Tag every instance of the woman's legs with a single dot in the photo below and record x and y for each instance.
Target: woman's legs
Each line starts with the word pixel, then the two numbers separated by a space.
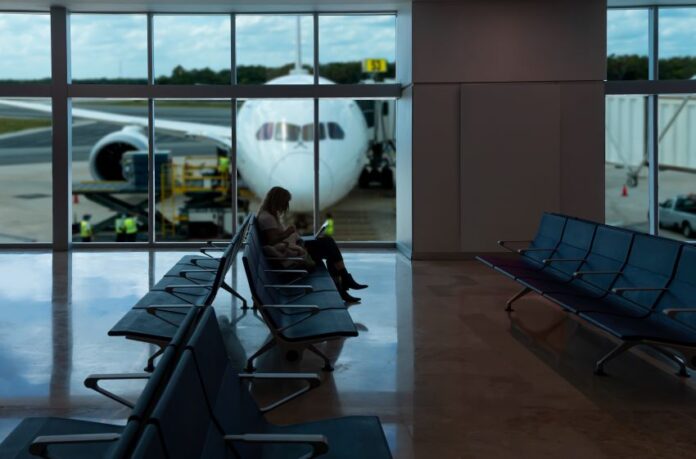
pixel 325 248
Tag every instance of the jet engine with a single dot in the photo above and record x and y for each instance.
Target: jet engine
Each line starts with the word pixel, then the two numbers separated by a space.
pixel 105 157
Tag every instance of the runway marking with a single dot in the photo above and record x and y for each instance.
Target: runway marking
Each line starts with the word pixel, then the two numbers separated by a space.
pixel 32 131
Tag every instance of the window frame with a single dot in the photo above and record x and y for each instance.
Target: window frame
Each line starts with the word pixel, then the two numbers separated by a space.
pixel 652 88
pixel 62 91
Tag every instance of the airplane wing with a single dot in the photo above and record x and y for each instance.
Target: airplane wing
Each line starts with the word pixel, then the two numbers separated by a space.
pixel 199 131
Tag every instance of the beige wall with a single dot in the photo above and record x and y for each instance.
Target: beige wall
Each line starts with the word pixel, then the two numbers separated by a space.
pixel 508 119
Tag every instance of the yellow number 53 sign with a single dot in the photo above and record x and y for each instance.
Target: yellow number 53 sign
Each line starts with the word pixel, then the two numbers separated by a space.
pixel 374 66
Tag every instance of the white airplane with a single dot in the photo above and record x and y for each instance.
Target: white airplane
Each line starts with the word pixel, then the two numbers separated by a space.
pixel 274 143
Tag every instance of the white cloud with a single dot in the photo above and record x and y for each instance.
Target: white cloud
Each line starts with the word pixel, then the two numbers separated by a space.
pixel 627 32
pixel 115 45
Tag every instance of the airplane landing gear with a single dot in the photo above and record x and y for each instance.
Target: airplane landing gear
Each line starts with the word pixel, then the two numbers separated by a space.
pixel 378 173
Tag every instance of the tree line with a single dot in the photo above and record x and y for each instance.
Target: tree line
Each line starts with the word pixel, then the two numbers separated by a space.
pixel 635 67
pixel 338 72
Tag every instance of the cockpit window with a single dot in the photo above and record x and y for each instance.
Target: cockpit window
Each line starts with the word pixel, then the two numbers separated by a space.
pixel 308 132
pixel 335 131
pixel 287 132
pixel 265 132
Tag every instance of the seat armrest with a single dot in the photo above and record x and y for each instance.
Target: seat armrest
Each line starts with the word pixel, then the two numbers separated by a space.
pixel 590 273
pixel 621 290
pixel 158 307
pixel 319 443
pixel 671 312
pixel 312 379
pixel 296 286
pixel 503 244
pixel 547 261
pixel 535 249
pixel 291 306
pixel 39 445
pixel 174 287
pixel 289 271
pixel 92 382
pixel 285 258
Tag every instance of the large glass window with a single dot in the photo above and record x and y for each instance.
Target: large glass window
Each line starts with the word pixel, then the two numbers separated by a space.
pixel 357 162
pixel 626 171
pixel 286 160
pixel 192 49
pixel 25 47
pixel 677 39
pixel 192 169
pixel 677 156
pixel 108 48
pixel 274 46
pixel 25 170
pixel 357 48
pixel 627 44
pixel 109 170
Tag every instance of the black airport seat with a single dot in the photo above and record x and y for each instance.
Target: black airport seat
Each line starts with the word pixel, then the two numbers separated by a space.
pixel 232 425
pixel 635 287
pixel 74 439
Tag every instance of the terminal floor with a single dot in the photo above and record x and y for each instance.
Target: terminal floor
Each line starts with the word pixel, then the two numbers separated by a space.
pixel 447 370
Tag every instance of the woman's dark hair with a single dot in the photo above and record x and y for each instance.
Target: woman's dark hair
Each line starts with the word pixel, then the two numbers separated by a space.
pixel 277 201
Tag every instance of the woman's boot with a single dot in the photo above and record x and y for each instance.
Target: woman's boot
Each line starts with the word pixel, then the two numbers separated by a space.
pixel 347 281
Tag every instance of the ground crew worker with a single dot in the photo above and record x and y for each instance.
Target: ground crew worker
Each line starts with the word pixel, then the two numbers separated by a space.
pixel 329 231
pixel 223 167
pixel 120 228
pixel 130 225
pixel 86 228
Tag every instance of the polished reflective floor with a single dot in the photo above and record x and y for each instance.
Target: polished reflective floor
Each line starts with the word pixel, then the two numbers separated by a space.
pixel 449 373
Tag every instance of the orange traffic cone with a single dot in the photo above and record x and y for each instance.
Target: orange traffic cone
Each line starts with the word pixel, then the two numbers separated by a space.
pixel 624 191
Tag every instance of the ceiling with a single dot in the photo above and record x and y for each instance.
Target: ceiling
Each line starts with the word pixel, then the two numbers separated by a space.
pixel 626 3
pixel 212 6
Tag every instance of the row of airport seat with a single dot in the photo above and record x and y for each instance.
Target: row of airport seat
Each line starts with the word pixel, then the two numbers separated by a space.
pixel 638 288
pixel 194 403
pixel 300 308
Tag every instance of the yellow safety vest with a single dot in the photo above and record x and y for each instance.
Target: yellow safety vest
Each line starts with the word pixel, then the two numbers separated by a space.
pixel 223 165
pixel 130 225
pixel 119 226
pixel 329 227
pixel 85 229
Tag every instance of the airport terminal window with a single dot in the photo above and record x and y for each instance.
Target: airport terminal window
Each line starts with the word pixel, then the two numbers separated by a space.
pixel 192 49
pixel 677 158
pixel 108 48
pixel 356 172
pixel 627 44
pixel 109 170
pixel 269 47
pixel 677 43
pixel 626 171
pixel 357 48
pixel 192 175
pixel 25 48
pixel 25 170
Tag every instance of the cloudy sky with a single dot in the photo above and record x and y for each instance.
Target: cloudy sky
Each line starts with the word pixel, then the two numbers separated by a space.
pixel 627 32
pixel 115 45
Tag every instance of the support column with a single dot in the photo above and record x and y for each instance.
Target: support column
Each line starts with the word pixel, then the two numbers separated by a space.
pixel 62 129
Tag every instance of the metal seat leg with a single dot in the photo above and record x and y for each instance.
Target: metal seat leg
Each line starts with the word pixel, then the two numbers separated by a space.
pixel 250 362
pixel 618 350
pixel 516 297
pixel 151 361
pixel 327 362
pixel 683 372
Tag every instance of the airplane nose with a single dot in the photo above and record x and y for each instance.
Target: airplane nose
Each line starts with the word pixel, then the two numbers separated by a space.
pixel 295 171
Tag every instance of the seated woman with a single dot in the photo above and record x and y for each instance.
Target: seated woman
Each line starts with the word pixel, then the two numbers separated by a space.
pixel 287 241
